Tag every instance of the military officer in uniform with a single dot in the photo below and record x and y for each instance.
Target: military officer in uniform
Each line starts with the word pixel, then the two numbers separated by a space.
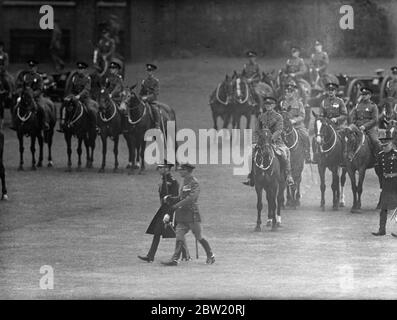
pixel 273 121
pixel 294 106
pixel 30 79
pixel 365 116
pixel 391 88
pixel 149 92
pixel 4 62
pixel 187 215
pixel 251 73
pixel 318 64
pixel 168 187
pixel 295 65
pixel 334 109
pixel 80 88
pixel 114 81
pixel 387 165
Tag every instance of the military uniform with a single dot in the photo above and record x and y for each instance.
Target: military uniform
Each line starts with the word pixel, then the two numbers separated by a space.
pixel 334 107
pixel 115 86
pixel 187 216
pixel 168 187
pixel 366 114
pixel 150 88
pixel 320 60
pixel 251 73
pixel 297 66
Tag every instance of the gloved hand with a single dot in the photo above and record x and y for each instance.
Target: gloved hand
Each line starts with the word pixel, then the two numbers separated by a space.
pixel 362 128
pixel 166 218
pixel 334 120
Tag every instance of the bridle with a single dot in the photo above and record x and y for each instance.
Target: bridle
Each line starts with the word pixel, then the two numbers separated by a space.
pixel 217 95
pixel 296 139
pixel 319 135
pixel 238 91
pixel 113 104
pixel 136 107
pixel 77 114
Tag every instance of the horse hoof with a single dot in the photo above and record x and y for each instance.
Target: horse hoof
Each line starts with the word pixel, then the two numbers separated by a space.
pixel 136 166
pixel 268 223
pixel 257 229
pixel 129 165
pixel 50 164
pixel 4 197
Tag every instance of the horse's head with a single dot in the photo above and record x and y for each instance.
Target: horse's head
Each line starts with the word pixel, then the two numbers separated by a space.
pixel 104 100
pixel 323 129
pixel 129 99
pixel 352 137
pixel 388 108
pixel 270 78
pixel 240 90
pixel 26 100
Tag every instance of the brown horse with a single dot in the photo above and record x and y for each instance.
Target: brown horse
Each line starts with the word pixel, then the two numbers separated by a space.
pixel 358 157
pixel 139 121
pixel 77 124
pixel 219 103
pixel 109 123
pixel 240 101
pixel 268 177
pixel 294 142
pixel 2 170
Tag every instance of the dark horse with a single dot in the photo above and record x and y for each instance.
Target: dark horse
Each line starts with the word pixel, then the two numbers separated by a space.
pixel 139 121
pixel 295 144
pixel 219 103
pixel 77 124
pixel 358 157
pixel 239 101
pixel 109 122
pixel 330 146
pixel 27 121
pixel 6 95
pixel 2 170
pixel 268 177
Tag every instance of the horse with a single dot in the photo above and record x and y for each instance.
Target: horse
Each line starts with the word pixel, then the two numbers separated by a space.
pixel 358 157
pixel 239 101
pixel 219 103
pixel 4 195
pixel 77 124
pixel 109 123
pixel 139 121
pixel 330 145
pixel 6 94
pixel 296 147
pixel 387 112
pixel 268 176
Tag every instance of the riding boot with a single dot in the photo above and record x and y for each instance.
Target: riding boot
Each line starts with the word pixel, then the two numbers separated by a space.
pixel 61 120
pixel 156 116
pixel 208 251
pixel 250 178
pixel 287 169
pixel 382 223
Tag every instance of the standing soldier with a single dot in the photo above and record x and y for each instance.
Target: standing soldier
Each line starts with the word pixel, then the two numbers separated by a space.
pixel 251 73
pixel 387 165
pixel 149 92
pixel 80 88
pixel 334 109
pixel 273 121
pixel 318 65
pixel 365 116
pixel 187 215
pixel 168 187
pixel 295 108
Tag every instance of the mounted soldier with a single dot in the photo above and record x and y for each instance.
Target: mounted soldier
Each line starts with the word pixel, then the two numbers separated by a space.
pixel 114 81
pixel 32 81
pixel 318 66
pixel 4 63
pixel 149 93
pixel 80 88
pixel 334 109
pixel 365 116
pixel 252 74
pixel 273 121
pixel 391 88
pixel 295 66
pixel 294 106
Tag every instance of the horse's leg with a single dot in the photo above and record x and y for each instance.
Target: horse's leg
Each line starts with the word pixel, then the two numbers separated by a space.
pixel 298 191
pixel 41 147
pixel 21 149
pixel 49 142
pixel 269 207
pixel 33 150
pixel 273 201
pixel 3 181
pixel 116 152
pixel 342 187
pixel 142 150
pixel 289 192
pixel 214 119
pixel 104 150
pixel 321 172
pixel 79 152
pixel 92 143
pixel 133 152
pixel 280 199
pixel 127 141
pixel 361 178
pixel 259 206
pixel 335 188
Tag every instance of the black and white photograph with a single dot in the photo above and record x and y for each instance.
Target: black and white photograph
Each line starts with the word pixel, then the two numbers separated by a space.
pixel 214 150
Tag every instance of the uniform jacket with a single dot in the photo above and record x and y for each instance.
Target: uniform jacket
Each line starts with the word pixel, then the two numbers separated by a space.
pixel 30 79
pixel 251 71
pixel 320 60
pixel 388 165
pixel 392 88
pixel 186 203
pixel 169 186
pixel 115 86
pixel 334 108
pixel 297 66
pixel 297 111
pixel 81 85
pixel 365 114
pixel 274 122
pixel 150 87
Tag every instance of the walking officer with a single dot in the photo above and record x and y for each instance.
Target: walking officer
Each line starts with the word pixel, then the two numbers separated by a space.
pixel 187 215
pixel 168 187
pixel 387 165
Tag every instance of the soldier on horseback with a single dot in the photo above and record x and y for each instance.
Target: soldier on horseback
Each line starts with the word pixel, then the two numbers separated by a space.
pixel 334 109
pixel 295 66
pixel 149 93
pixel 114 81
pixel 4 63
pixel 391 88
pixel 251 73
pixel 273 121
pixel 80 88
pixel 30 79
pixel 294 106
pixel 365 117
pixel 318 66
